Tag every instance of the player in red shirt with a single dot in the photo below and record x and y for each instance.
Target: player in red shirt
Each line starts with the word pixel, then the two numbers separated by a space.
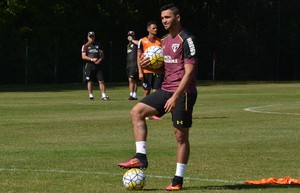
pixel 177 95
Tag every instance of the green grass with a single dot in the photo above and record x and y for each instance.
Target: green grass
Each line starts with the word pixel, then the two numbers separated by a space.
pixel 54 140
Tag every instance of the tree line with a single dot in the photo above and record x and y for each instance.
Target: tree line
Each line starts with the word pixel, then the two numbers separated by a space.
pixel 237 39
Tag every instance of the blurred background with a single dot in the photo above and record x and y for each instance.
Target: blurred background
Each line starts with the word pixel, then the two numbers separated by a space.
pixel 40 41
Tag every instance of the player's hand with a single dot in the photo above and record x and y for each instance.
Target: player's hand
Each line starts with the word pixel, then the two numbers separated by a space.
pixel 94 59
pixel 170 105
pixel 141 76
pixel 144 61
pixel 98 61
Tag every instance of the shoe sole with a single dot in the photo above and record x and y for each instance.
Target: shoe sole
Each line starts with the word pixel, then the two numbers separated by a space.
pixel 173 188
pixel 141 167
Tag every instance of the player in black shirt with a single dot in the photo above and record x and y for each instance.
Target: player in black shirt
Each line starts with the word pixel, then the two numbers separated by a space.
pixel 131 65
pixel 92 54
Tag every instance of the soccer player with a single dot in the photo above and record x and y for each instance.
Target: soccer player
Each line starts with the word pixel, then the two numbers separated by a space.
pixel 131 65
pixel 177 95
pixel 92 54
pixel 150 79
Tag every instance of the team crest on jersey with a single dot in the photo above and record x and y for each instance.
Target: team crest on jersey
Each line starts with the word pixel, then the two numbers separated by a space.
pixel 175 47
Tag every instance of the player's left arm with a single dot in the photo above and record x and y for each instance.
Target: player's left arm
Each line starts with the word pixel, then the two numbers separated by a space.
pixel 101 56
pixel 188 76
pixel 99 60
pixel 190 63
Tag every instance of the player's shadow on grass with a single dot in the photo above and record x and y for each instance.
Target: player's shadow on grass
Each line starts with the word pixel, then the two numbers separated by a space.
pixel 241 187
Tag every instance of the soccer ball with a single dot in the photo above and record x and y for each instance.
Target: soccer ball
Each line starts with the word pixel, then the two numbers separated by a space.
pixel 155 54
pixel 134 179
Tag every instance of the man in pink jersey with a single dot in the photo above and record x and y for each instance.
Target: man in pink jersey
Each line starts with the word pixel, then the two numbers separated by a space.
pixel 177 95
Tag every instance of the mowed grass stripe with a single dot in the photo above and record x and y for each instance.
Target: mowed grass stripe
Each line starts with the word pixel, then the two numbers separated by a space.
pixel 56 128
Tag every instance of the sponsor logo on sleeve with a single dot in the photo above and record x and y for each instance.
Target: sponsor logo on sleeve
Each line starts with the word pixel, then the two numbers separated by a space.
pixel 191 46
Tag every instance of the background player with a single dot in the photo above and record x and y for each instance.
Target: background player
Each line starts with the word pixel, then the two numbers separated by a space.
pixel 150 80
pixel 92 54
pixel 131 65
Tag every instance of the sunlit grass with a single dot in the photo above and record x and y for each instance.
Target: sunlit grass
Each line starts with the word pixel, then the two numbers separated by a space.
pixel 53 139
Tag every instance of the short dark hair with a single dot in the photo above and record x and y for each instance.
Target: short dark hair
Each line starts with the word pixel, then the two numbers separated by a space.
pixel 173 7
pixel 150 23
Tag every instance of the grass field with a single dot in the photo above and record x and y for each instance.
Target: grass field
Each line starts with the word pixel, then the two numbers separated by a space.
pixel 54 140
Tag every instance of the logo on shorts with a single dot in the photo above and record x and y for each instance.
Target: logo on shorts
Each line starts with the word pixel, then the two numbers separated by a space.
pixel 145 85
pixel 179 122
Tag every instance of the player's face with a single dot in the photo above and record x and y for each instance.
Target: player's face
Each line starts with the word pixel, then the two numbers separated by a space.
pixel 168 19
pixel 91 38
pixel 152 29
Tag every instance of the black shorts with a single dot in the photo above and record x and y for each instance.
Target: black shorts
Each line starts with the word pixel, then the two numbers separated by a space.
pixel 93 73
pixel 181 115
pixel 132 73
pixel 152 81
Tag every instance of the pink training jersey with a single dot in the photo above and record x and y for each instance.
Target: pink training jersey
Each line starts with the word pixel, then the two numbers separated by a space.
pixel 178 51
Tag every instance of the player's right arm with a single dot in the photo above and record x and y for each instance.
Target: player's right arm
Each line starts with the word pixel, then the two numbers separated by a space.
pixel 135 42
pixel 139 55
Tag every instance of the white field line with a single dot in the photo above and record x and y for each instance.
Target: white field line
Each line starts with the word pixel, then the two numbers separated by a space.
pixel 259 110
pixel 114 174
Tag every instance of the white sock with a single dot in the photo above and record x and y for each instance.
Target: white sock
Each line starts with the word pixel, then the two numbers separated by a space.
pixel 131 94
pixel 134 95
pixel 91 95
pixel 180 169
pixel 103 95
pixel 140 147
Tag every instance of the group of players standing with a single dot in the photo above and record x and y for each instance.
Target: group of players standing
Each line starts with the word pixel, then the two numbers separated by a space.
pixel 151 81
pixel 92 54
